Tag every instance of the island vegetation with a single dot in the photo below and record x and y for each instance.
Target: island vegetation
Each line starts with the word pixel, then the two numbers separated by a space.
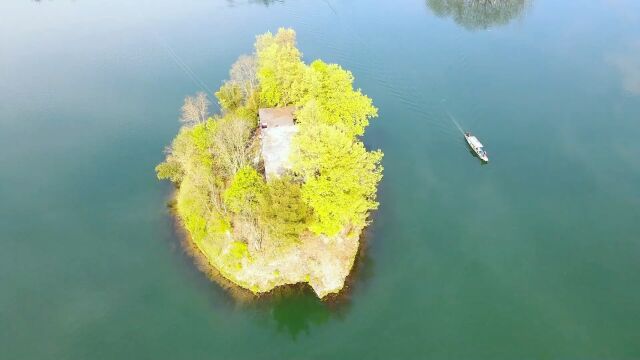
pixel 302 226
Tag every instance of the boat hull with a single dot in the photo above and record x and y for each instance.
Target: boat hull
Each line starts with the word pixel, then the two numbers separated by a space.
pixel 478 151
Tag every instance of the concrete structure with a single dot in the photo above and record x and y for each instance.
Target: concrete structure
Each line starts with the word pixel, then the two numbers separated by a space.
pixel 277 129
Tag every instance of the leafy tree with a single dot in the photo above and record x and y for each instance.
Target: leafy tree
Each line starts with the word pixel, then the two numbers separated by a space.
pixel 170 170
pixel 309 114
pixel 230 96
pixel 280 68
pixel 284 213
pixel 331 88
pixel 340 177
pixel 180 157
pixel 246 192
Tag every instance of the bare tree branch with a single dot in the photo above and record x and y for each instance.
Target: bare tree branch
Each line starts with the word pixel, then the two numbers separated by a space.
pixel 244 74
pixel 195 109
pixel 230 145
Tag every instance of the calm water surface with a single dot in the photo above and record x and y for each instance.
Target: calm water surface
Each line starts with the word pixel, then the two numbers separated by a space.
pixel 533 256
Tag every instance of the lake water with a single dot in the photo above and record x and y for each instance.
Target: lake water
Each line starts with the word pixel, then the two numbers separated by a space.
pixel 533 256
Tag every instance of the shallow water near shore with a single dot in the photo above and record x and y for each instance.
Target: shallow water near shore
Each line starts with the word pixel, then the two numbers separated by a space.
pixel 532 256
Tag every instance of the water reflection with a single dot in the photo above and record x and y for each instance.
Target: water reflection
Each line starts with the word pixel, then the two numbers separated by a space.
pixel 296 314
pixel 296 310
pixel 478 14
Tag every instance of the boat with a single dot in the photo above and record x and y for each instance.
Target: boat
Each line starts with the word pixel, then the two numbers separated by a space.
pixel 476 146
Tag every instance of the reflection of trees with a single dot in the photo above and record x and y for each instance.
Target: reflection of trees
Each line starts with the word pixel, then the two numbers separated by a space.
pixel 478 14
pixel 295 314
pixel 296 309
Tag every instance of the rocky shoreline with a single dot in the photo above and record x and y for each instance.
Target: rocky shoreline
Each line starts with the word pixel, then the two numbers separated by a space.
pixel 325 265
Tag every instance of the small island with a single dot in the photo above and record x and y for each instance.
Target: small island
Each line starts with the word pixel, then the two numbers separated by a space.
pixel 277 188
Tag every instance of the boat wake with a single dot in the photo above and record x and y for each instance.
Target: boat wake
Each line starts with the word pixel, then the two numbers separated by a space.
pixel 453 120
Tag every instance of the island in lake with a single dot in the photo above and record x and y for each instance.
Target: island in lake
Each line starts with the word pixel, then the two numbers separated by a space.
pixel 277 188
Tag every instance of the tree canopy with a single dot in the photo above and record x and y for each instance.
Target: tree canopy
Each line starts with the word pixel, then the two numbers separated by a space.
pixel 340 177
pixel 280 68
pixel 285 213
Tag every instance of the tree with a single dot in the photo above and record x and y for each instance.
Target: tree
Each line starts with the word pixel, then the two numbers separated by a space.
pixel 192 204
pixel 340 177
pixel 230 145
pixel 195 109
pixel 189 163
pixel 245 197
pixel 246 191
pixel 244 73
pixel 280 68
pixel 331 88
pixel 230 96
pixel 309 114
pixel 284 213
pixel 180 159
pixel 170 170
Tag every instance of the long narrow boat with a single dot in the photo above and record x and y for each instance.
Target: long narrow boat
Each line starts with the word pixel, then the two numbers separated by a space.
pixel 476 146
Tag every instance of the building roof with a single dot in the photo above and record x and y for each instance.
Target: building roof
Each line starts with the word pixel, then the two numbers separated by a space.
pixel 277 131
pixel 276 147
pixel 276 117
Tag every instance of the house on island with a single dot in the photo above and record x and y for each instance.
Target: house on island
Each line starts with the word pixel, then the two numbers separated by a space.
pixel 277 129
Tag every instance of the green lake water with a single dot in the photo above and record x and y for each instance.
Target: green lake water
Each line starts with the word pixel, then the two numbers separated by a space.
pixel 535 255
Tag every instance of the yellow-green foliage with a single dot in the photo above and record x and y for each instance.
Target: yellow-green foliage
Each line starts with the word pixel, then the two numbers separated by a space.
pixel 340 176
pixel 169 170
pixel 192 165
pixel 246 191
pixel 192 207
pixel 201 140
pixel 280 68
pixel 285 213
pixel 218 224
pixel 330 87
pixel 334 178
pixel 230 96
pixel 232 259
pixel 178 159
